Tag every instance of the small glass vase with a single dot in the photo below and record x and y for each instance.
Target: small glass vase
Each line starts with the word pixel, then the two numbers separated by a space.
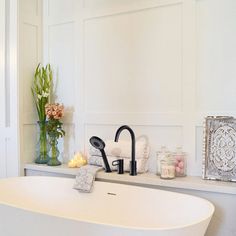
pixel 42 145
pixel 53 152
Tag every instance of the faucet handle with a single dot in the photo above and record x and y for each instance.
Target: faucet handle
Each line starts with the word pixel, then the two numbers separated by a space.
pixel 120 165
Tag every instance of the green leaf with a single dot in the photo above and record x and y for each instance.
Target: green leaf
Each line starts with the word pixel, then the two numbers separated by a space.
pixel 41 82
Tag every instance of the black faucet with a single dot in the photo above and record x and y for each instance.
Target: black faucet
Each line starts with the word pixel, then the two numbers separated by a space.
pixel 133 166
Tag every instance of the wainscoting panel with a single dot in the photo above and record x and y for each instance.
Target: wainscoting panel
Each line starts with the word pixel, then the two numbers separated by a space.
pixel 59 10
pixel 150 64
pixel 59 50
pixel 128 50
pixel 216 37
pixel 29 59
pixel 2 61
pixel 30 46
pixel 124 62
pixel 127 59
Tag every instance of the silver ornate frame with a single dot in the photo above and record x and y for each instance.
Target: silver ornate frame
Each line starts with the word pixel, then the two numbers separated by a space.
pixel 219 153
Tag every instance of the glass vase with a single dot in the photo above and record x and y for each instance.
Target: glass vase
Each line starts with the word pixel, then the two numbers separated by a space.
pixel 42 145
pixel 53 152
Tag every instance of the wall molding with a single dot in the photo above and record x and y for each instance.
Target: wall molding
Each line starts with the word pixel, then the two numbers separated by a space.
pixel 2 62
pixel 140 6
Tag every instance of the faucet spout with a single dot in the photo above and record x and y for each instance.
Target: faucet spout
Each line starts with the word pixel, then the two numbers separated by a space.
pixel 133 165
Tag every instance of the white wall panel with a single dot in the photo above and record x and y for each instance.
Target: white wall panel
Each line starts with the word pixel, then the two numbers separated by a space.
pixel 2 61
pixel 127 60
pixel 30 46
pixel 123 53
pixel 61 9
pixel 134 62
pixel 216 31
pixel 61 50
pixel 29 61
pixel 67 145
pixel 29 133
pixel 128 51
pixel 30 7
pixel 62 64
pixel 199 150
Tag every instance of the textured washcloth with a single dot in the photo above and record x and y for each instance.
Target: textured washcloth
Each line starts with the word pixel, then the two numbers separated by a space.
pixel 85 177
pixel 122 149
pixel 142 165
pixel 98 161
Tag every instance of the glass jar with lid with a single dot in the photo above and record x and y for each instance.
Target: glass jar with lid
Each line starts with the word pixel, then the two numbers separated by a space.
pixel 160 155
pixel 180 162
pixel 168 167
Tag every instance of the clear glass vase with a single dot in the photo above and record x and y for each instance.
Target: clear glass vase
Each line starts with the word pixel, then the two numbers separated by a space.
pixel 42 145
pixel 53 152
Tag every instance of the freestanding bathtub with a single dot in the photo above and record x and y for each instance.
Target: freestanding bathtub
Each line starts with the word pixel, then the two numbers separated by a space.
pixel 49 206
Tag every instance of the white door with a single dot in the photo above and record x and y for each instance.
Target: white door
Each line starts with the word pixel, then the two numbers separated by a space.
pixel 9 163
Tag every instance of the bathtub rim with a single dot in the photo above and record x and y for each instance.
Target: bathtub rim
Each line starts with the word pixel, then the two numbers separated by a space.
pixel 209 215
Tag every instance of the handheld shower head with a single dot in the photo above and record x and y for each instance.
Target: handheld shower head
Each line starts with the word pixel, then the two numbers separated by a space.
pixel 99 144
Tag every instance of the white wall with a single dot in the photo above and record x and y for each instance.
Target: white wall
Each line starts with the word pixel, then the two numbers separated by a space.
pixel 216 61
pixel 9 163
pixel 159 66
pixel 30 54
pixel 59 30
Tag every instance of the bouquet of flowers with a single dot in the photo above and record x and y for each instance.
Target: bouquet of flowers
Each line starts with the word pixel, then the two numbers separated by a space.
pixel 54 112
pixel 41 89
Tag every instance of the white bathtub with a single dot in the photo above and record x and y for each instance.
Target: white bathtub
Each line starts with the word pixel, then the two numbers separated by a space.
pixel 48 206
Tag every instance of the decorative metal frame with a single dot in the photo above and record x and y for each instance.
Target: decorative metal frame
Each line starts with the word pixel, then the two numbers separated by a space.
pixel 219 153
